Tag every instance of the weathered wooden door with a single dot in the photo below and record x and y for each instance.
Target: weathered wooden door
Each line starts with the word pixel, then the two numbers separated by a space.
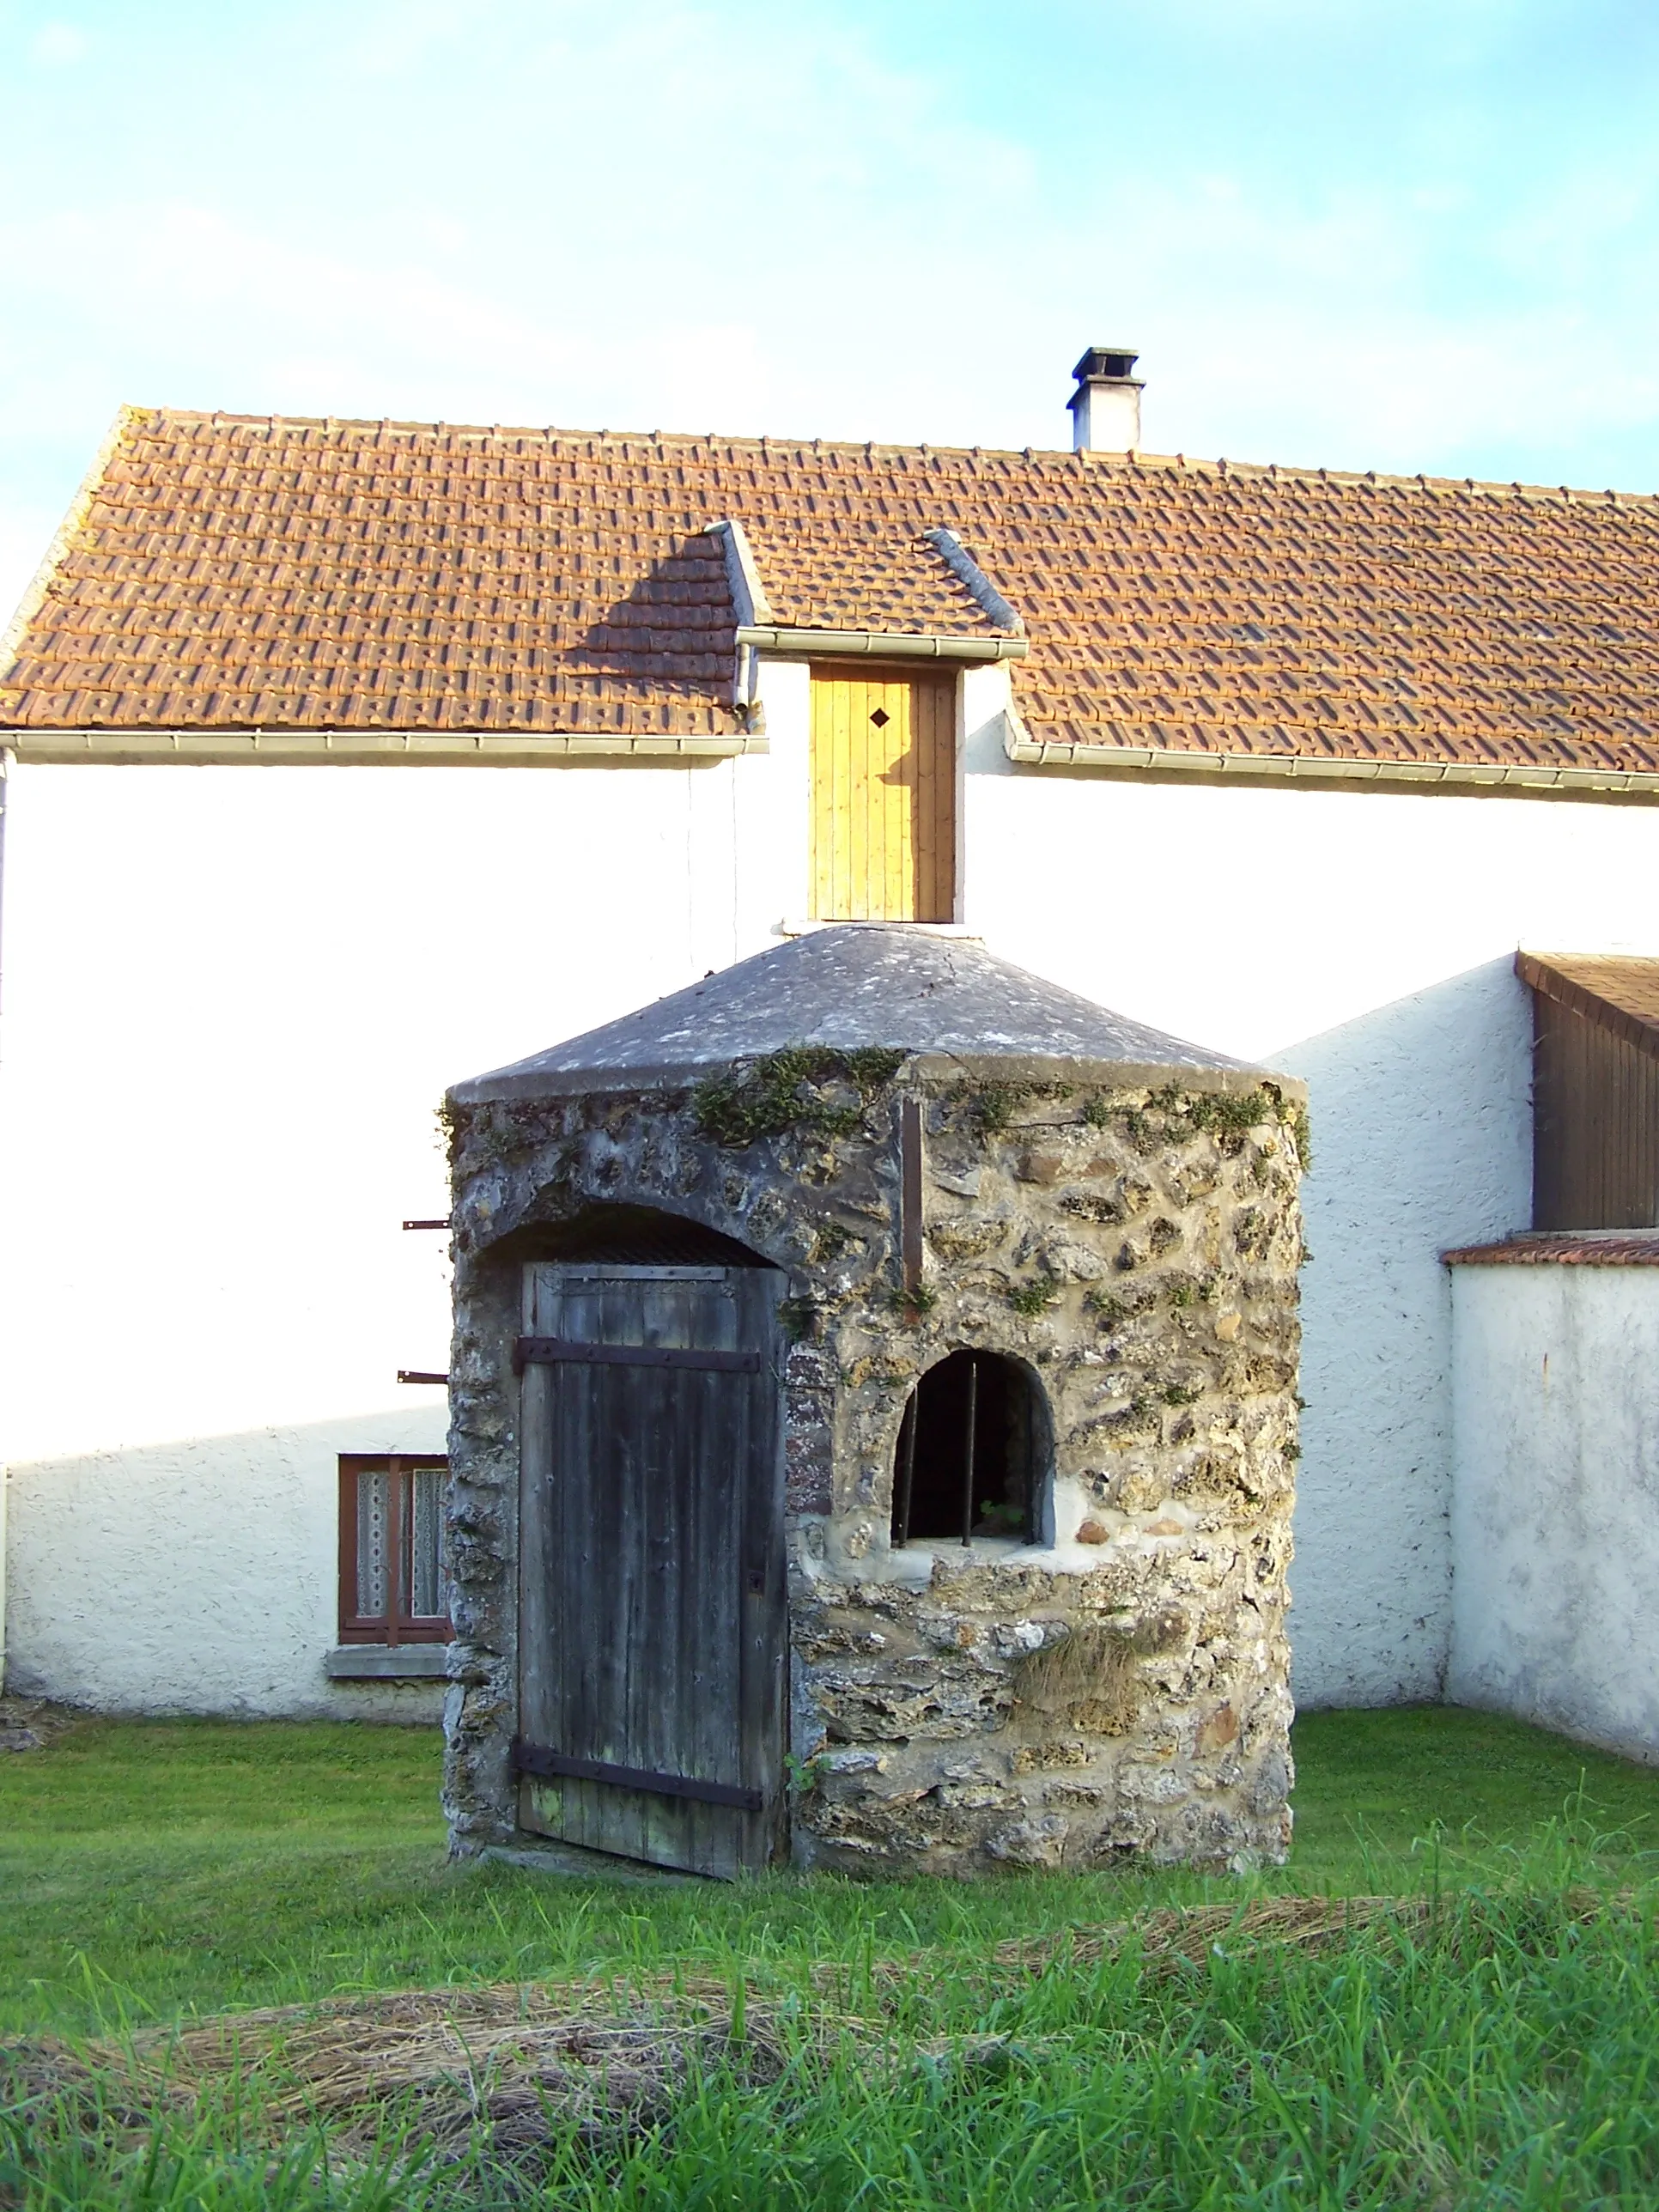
pixel 651 1603
pixel 884 797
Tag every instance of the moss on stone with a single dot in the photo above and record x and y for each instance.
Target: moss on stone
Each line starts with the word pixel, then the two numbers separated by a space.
pixel 771 1095
pixel 830 1240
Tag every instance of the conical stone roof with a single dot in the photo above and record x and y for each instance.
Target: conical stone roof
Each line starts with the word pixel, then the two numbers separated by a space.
pixel 942 999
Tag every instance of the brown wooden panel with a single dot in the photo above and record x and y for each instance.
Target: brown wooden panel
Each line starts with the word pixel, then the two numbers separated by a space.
pixel 860 701
pixel 936 800
pixel 650 1497
pixel 883 809
pixel 1595 1124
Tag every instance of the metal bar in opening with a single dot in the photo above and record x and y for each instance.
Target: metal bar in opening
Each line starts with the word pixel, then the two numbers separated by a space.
pixel 420 1375
pixel 968 1459
pixel 907 1475
pixel 559 1766
pixel 444 1224
pixel 551 1351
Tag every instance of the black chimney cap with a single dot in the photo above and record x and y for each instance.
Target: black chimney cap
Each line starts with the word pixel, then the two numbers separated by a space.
pixel 1115 361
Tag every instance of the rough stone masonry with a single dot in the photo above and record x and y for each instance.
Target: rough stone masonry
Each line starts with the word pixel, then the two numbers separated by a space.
pixel 1127 1229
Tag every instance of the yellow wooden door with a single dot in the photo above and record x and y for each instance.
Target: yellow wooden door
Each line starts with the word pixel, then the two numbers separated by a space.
pixel 884 797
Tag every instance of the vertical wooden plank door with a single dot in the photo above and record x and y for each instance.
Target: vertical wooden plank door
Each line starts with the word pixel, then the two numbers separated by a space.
pixel 652 1644
pixel 884 833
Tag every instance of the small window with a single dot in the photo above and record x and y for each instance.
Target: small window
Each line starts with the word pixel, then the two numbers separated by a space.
pixel 969 1455
pixel 394 1587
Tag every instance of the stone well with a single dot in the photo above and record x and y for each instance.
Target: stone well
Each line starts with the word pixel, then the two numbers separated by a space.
pixel 983 1201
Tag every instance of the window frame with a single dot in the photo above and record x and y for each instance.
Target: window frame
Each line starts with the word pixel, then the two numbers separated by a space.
pixel 1028 1453
pixel 397 1624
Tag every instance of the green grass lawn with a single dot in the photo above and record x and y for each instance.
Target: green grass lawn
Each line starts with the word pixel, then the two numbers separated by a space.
pixel 150 1871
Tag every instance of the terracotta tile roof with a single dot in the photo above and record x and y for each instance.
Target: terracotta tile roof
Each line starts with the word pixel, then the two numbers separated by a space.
pixel 1546 1248
pixel 229 572
pixel 1618 992
pixel 892 580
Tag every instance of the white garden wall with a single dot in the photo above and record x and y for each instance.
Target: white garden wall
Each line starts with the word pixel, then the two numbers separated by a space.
pixel 198 1576
pixel 1555 1519
pixel 233 998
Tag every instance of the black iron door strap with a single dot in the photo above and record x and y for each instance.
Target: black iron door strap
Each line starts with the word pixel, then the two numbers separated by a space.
pixel 558 1766
pixel 550 1351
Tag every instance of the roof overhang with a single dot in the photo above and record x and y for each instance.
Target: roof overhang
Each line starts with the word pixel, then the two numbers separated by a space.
pixel 200 748
pixel 926 1066
pixel 1558 1247
pixel 876 645
pixel 1315 769
pixel 1618 992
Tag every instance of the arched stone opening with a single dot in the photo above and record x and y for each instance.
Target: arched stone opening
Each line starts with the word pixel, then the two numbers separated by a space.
pixel 972 1455
pixel 624 1236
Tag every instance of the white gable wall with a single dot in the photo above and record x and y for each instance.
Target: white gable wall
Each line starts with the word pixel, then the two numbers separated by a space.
pixel 233 998
pixel 1364 941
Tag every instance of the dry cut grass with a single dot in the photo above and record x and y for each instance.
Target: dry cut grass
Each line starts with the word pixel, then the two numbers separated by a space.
pixel 503 2069
pixel 499 2069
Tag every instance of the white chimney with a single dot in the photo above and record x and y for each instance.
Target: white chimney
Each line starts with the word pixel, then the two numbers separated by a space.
pixel 1106 405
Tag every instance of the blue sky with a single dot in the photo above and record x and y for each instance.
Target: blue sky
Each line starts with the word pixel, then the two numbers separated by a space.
pixel 1395 236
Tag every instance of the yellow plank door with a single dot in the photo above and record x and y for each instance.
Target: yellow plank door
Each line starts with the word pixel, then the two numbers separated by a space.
pixel 884 797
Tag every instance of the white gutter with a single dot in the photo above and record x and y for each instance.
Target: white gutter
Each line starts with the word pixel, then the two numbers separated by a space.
pixel 360 748
pixel 878 645
pixel 1638 784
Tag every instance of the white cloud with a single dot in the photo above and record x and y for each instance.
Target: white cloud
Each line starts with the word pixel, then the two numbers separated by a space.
pixel 808 221
pixel 58 45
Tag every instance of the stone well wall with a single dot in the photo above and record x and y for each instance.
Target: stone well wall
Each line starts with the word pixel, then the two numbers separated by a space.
pixel 1118 1686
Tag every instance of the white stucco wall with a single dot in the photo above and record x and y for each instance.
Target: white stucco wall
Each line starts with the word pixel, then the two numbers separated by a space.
pixel 233 998
pixel 232 1002
pixel 198 1576
pixel 1366 942
pixel 1555 1516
